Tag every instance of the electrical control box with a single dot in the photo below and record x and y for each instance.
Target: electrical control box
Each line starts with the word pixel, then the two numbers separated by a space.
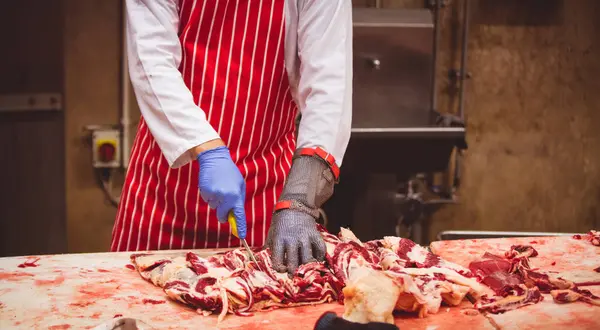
pixel 106 148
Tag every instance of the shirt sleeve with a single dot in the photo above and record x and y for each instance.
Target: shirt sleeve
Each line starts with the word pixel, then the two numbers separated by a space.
pixel 167 105
pixel 325 84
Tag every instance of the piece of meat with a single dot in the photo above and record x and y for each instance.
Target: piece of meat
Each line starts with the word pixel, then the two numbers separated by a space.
pixel 503 283
pixel 370 296
pixel 520 251
pixel 544 282
pixel 516 285
pixel 592 236
pixel 29 263
pixel 575 294
pixel 527 296
pixel 393 272
pixel 483 268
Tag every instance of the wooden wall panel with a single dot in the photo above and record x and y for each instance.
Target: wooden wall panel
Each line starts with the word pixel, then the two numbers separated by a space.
pixel 533 113
pixel 32 199
pixel 92 59
pixel 532 108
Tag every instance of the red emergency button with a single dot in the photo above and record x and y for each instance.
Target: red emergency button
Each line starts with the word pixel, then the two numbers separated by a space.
pixel 106 152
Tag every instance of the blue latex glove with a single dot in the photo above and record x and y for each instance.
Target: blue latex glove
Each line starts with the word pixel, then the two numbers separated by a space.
pixel 222 186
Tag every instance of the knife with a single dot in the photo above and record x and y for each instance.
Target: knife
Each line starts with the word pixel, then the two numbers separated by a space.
pixel 233 224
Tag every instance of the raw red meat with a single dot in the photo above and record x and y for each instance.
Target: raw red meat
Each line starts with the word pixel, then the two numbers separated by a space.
pixel 519 251
pixel 231 283
pixel 29 263
pixel 518 285
pixel 592 236
pixel 575 294
pixel 526 296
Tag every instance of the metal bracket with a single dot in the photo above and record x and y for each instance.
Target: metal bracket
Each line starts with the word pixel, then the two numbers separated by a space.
pixel 30 102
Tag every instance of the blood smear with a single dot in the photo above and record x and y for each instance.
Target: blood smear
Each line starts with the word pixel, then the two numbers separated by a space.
pixel 152 301
pixel 29 263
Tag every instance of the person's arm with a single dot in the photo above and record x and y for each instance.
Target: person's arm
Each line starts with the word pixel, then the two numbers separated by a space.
pixel 154 52
pixel 178 125
pixel 324 95
pixel 325 84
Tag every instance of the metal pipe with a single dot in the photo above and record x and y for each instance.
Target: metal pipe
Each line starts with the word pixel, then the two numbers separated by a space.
pixel 436 38
pixel 463 58
pixel 463 74
pixel 125 93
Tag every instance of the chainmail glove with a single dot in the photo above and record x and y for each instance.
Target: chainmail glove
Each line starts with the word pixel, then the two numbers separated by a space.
pixel 293 237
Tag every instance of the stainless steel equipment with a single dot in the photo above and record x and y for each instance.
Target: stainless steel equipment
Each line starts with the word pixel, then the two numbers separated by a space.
pixel 393 65
pixel 396 132
pixel 449 235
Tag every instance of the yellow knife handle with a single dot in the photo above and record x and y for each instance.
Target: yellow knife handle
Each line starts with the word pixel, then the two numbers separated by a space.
pixel 232 224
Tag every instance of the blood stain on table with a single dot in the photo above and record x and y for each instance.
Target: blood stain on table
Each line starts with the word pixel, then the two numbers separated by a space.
pixel 91 293
pixel 153 301
pixel 14 276
pixel 81 303
pixel 56 281
pixel 59 327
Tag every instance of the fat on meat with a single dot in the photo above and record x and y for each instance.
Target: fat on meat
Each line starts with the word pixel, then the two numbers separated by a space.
pixel 410 278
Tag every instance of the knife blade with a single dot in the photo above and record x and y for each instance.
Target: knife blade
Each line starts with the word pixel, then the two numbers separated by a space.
pixel 233 224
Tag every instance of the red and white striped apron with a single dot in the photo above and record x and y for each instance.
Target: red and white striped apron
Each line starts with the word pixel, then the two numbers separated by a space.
pixel 233 62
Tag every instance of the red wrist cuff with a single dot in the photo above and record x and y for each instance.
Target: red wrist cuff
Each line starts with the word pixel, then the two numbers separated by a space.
pixel 324 155
pixel 295 205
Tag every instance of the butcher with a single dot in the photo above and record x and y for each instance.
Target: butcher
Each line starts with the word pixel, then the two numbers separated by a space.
pixel 220 84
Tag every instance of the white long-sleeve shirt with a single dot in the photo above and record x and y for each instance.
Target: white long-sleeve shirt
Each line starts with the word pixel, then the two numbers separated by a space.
pixel 318 60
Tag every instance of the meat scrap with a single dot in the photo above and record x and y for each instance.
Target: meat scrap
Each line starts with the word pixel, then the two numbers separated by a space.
pixel 516 285
pixel 372 279
pixel 575 294
pixel 29 263
pixel 520 251
pixel 526 296
pixel 593 236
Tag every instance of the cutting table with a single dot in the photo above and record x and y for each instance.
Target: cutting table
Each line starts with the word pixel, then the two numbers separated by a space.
pixel 79 291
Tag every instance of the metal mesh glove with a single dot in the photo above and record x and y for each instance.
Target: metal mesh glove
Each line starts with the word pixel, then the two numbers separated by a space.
pixel 293 236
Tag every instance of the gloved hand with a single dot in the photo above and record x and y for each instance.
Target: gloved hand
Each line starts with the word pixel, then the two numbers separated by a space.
pixel 222 186
pixel 293 237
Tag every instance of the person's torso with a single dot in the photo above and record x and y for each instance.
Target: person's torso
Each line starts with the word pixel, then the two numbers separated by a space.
pixel 234 64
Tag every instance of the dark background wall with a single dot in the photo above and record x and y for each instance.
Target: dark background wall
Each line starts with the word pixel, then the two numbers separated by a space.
pixel 533 112
pixel 532 108
pixel 32 174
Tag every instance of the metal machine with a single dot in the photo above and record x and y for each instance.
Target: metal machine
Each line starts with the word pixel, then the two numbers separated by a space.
pixel 397 136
